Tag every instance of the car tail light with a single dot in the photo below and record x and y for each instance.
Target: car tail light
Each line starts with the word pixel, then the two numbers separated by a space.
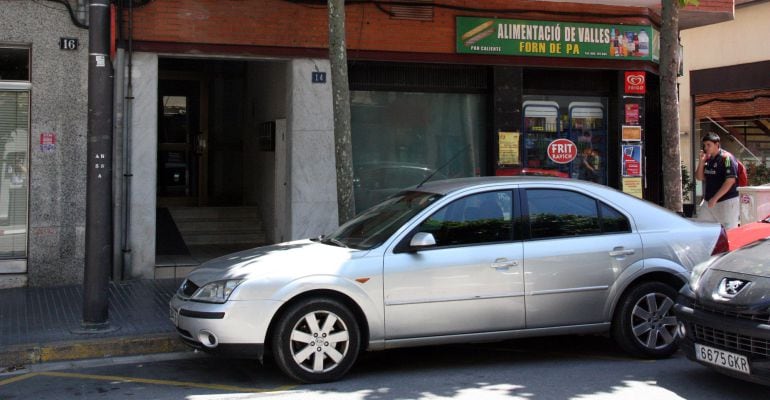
pixel 722 245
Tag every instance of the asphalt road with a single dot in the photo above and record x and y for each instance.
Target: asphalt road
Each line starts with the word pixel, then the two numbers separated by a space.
pixel 548 368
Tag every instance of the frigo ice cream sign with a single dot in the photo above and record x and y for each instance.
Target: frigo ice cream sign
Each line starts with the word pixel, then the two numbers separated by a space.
pixel 556 39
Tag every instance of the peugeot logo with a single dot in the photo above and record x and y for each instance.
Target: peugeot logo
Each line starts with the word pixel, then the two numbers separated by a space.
pixel 730 287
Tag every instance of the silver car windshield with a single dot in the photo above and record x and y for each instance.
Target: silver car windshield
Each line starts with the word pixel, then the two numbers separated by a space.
pixel 375 225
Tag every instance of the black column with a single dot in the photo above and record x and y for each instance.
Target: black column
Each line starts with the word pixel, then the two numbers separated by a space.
pixel 507 92
pixel 99 163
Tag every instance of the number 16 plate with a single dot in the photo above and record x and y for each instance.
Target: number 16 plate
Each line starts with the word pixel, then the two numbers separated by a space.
pixel 721 358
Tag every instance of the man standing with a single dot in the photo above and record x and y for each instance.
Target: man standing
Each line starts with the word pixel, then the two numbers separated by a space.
pixel 718 170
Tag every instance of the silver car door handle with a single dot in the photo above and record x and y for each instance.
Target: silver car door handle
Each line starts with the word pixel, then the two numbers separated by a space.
pixel 619 252
pixel 503 263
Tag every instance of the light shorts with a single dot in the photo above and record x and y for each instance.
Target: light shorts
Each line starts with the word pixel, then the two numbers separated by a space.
pixel 725 212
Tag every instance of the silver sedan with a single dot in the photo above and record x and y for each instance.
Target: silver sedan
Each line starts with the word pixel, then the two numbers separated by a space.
pixel 467 260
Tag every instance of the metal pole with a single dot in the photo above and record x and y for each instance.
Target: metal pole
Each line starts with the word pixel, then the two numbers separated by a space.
pixel 99 176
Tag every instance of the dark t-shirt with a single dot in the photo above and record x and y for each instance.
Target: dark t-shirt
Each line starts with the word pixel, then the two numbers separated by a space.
pixel 716 170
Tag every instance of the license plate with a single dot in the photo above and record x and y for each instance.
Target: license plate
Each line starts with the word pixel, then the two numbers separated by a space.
pixel 721 358
pixel 172 314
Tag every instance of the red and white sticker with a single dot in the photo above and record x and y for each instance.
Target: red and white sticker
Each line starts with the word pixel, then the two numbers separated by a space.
pixel 635 82
pixel 562 151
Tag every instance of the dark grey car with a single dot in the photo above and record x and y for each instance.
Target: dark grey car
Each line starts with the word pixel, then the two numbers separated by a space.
pixel 724 313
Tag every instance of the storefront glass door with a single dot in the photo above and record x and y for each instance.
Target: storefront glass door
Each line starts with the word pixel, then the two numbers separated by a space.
pixel 577 124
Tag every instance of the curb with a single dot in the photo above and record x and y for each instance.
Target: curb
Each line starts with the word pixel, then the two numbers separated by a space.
pixel 16 356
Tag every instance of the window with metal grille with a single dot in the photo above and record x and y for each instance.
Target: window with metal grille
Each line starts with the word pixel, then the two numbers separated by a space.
pixel 422 10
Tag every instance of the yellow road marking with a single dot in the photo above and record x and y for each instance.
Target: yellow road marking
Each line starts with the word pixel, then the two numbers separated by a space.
pixel 114 378
pixel 16 379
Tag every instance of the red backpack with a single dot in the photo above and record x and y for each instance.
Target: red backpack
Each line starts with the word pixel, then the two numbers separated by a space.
pixel 742 177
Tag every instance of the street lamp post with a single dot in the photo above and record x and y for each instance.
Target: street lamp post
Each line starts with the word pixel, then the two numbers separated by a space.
pixel 98 254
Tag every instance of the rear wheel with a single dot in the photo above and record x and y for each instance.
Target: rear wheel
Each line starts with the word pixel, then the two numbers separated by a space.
pixel 644 324
pixel 316 340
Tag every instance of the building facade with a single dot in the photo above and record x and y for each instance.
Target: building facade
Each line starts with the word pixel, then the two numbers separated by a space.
pixel 224 114
pixel 726 89
pixel 43 118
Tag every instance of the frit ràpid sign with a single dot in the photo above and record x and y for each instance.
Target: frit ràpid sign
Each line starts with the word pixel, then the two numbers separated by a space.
pixel 562 151
pixel 635 82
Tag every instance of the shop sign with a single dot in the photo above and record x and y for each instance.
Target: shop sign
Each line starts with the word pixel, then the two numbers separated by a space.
pixel 515 37
pixel 562 151
pixel 635 82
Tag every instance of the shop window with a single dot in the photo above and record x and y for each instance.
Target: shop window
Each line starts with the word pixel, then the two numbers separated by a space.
pixel 14 176
pixel 581 121
pixel 742 120
pixel 401 138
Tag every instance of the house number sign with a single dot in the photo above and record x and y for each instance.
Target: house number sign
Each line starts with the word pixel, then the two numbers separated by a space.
pixel 68 43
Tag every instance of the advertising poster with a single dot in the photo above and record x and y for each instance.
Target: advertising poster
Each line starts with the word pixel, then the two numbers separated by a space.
pixel 631 133
pixel 508 148
pixel 633 186
pixel 632 160
pixel 632 114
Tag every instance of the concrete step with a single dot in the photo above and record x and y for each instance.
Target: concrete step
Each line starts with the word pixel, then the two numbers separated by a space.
pixel 219 225
pixel 181 214
pixel 233 226
pixel 255 238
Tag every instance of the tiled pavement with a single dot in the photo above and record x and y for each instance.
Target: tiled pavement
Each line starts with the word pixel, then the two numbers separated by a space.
pixel 44 324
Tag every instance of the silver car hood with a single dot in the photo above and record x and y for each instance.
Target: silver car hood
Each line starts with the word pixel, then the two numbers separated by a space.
pixel 739 281
pixel 290 259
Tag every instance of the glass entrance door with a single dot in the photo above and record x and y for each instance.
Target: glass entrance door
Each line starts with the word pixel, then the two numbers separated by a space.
pixel 560 122
pixel 181 144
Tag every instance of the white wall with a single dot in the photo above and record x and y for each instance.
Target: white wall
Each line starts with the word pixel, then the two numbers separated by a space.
pixel 741 41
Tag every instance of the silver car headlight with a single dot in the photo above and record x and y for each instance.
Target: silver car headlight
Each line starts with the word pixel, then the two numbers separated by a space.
pixel 217 291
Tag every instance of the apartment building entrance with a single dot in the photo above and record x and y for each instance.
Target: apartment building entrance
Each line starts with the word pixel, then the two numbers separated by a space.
pixel 202 211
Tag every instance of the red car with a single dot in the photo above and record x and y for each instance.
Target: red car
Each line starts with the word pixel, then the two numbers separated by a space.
pixel 745 234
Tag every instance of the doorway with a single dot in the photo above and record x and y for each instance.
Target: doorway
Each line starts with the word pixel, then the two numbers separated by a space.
pixel 182 138
pixel 204 124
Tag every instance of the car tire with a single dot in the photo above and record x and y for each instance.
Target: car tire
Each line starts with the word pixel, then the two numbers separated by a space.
pixel 644 324
pixel 316 340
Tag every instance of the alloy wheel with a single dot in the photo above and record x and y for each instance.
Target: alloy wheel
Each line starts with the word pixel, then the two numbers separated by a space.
pixel 319 341
pixel 652 321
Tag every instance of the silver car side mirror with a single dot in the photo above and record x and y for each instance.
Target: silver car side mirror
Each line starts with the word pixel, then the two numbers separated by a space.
pixel 422 239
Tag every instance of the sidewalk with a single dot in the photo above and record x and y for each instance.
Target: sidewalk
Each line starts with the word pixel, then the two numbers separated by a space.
pixel 40 325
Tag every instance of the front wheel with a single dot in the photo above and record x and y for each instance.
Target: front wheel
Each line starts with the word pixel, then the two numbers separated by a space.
pixel 316 340
pixel 644 324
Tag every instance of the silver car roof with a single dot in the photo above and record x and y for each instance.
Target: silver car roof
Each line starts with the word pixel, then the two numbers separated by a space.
pixel 450 185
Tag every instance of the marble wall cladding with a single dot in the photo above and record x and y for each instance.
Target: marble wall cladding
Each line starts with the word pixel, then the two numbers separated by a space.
pixel 59 105
pixel 144 153
pixel 314 218
pixel 311 104
pixel 312 174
